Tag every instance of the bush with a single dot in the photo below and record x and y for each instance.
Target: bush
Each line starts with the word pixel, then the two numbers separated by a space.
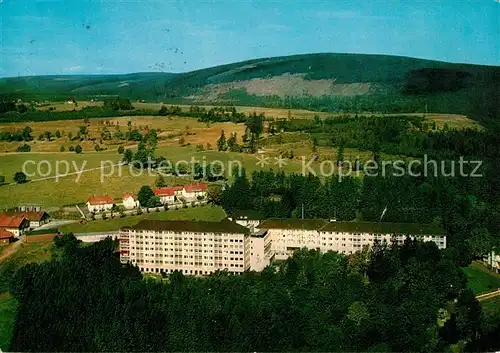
pixel 20 178
pixel 62 149
pixel 2 179
pixel 71 149
pixel 78 149
pixel 23 148
pixel 121 149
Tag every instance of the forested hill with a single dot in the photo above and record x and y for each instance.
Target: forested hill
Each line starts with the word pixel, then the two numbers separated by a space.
pixel 330 82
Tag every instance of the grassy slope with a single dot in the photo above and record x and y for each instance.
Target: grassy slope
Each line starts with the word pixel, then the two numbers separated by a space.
pixel 205 213
pixel 481 279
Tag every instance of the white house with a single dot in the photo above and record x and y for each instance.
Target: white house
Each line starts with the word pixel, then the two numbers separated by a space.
pixel 130 201
pixel 17 225
pixel 35 218
pixel 191 192
pixel 166 195
pixel 100 203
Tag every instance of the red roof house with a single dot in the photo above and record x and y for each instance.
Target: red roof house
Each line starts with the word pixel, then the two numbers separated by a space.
pixel 6 236
pixel 195 188
pixel 128 194
pixel 167 191
pixel 100 200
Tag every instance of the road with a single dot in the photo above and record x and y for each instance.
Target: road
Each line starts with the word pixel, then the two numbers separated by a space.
pixel 56 223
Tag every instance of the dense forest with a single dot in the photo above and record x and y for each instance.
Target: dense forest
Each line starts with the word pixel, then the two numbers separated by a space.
pixel 392 298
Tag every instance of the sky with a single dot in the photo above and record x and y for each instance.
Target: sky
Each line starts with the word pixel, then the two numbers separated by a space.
pixel 124 36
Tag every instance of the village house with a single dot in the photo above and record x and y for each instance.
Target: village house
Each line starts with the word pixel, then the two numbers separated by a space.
pixel 166 195
pixel 35 218
pixel 6 237
pixel 130 201
pixel 17 225
pixel 100 203
pixel 192 192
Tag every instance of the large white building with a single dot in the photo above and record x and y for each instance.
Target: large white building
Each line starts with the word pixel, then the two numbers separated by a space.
pixel 193 247
pixel 288 235
pixel 201 248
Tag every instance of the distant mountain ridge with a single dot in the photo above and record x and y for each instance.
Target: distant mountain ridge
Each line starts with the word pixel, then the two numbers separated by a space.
pixel 322 81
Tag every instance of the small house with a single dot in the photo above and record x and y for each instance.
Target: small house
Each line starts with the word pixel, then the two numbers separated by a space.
pixel 130 201
pixel 100 203
pixel 6 237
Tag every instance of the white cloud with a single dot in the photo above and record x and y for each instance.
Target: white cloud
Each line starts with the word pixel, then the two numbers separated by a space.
pixel 273 27
pixel 346 15
pixel 74 68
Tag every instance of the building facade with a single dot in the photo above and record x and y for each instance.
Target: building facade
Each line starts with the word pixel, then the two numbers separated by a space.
pixel 201 248
pixel 288 235
pixel 130 201
pixel 166 195
pixel 192 192
pixel 6 237
pixel 192 247
pixel 100 203
pixel 16 225
pixel 35 218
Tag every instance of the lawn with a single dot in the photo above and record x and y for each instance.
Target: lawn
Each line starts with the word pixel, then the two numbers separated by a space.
pixel 7 312
pixel 201 213
pixel 481 279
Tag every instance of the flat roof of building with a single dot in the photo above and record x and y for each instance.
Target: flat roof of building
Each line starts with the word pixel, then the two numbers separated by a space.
pixel 383 228
pixel 292 223
pixel 352 227
pixel 224 226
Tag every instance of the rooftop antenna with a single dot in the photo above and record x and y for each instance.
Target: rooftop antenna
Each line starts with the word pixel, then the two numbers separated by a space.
pixel 383 213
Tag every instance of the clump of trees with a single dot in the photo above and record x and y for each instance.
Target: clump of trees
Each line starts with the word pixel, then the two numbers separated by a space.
pixel 20 178
pixel 147 198
pixel 24 148
pixel 18 135
pixel 118 104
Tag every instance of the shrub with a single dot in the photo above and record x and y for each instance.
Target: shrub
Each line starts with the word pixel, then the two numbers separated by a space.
pixel 71 148
pixel 78 149
pixel 62 149
pixel 20 178
pixel 23 148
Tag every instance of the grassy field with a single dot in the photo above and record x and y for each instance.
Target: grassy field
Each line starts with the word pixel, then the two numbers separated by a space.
pixel 116 181
pixel 200 213
pixel 168 128
pixel 481 279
